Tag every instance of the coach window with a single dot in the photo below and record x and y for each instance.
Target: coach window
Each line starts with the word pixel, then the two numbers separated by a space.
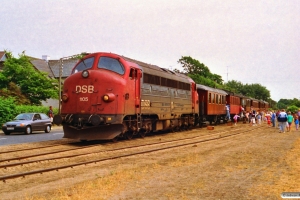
pixel 111 64
pixel 83 65
pixel 209 97
pixel 213 98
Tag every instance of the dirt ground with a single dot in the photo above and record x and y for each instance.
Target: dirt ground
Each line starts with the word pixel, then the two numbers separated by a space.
pixel 260 164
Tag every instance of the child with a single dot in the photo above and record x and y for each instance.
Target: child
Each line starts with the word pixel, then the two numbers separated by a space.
pixel 235 117
pixel 296 122
pixel 290 120
pixel 268 117
pixel 258 117
pixel 247 116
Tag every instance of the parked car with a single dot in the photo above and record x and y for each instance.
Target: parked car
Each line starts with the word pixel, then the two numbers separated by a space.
pixel 28 122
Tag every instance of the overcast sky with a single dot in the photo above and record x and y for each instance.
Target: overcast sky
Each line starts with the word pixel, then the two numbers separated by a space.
pixel 252 41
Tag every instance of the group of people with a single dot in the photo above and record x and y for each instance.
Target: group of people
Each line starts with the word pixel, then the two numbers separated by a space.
pixel 284 119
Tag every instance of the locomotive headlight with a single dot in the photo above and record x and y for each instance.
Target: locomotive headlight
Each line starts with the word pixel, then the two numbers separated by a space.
pixel 85 74
pixel 105 97
pixel 65 97
pixel 109 97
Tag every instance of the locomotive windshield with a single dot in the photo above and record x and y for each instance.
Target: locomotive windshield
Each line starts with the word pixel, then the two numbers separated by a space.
pixel 111 64
pixel 83 65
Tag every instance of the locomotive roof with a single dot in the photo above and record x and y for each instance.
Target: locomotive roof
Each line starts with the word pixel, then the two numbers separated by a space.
pixel 155 67
pixel 204 87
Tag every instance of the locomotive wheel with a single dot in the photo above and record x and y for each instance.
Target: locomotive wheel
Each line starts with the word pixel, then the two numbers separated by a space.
pixel 129 135
pixel 142 133
pixel 216 119
pixel 200 123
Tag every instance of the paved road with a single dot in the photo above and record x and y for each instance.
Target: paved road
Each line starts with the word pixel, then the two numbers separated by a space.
pixel 17 138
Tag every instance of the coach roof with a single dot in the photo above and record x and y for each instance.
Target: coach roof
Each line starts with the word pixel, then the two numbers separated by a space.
pixel 207 88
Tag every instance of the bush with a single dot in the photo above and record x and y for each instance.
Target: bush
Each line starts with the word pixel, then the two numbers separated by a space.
pixel 292 109
pixel 7 109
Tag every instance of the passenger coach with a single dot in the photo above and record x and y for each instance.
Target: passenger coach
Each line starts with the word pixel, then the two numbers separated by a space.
pixel 212 104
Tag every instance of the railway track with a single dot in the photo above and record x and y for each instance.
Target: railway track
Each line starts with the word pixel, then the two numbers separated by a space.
pixel 94 155
pixel 64 147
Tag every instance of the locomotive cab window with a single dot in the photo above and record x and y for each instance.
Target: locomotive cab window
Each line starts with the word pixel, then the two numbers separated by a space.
pixel 132 73
pixel 84 65
pixel 111 64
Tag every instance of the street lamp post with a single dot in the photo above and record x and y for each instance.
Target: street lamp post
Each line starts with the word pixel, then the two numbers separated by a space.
pixel 60 75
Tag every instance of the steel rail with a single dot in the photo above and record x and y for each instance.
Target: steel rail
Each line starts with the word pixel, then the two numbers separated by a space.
pixel 42 147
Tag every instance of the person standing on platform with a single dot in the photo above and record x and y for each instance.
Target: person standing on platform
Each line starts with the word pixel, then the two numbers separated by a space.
pixel 50 113
pixel 253 115
pixel 290 120
pixel 282 119
pixel 268 118
pixel 297 122
pixel 273 119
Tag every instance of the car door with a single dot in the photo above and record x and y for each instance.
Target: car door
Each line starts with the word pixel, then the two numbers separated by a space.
pixel 37 123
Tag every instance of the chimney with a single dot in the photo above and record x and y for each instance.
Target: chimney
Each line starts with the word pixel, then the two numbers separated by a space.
pixel 46 58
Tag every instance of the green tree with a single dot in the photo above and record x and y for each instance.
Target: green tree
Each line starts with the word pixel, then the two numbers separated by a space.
pixel 295 102
pixel 292 109
pixel 216 78
pixel 193 67
pixel 35 85
pixel 256 90
pixel 202 75
pixel 235 86
pixel 284 103
pixel 260 92
pixel 3 81
pixel 14 91
pixel 204 81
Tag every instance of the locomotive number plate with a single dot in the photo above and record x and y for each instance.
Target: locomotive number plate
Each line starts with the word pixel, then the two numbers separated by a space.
pixel 83 99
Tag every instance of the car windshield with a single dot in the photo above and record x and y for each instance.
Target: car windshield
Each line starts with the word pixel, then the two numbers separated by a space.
pixel 111 64
pixel 83 65
pixel 24 116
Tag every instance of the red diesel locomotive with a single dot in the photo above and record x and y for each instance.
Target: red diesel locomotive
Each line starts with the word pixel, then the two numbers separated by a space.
pixel 109 96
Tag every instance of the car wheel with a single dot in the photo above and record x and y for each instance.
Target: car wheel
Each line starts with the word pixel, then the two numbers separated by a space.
pixel 48 129
pixel 6 133
pixel 28 130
